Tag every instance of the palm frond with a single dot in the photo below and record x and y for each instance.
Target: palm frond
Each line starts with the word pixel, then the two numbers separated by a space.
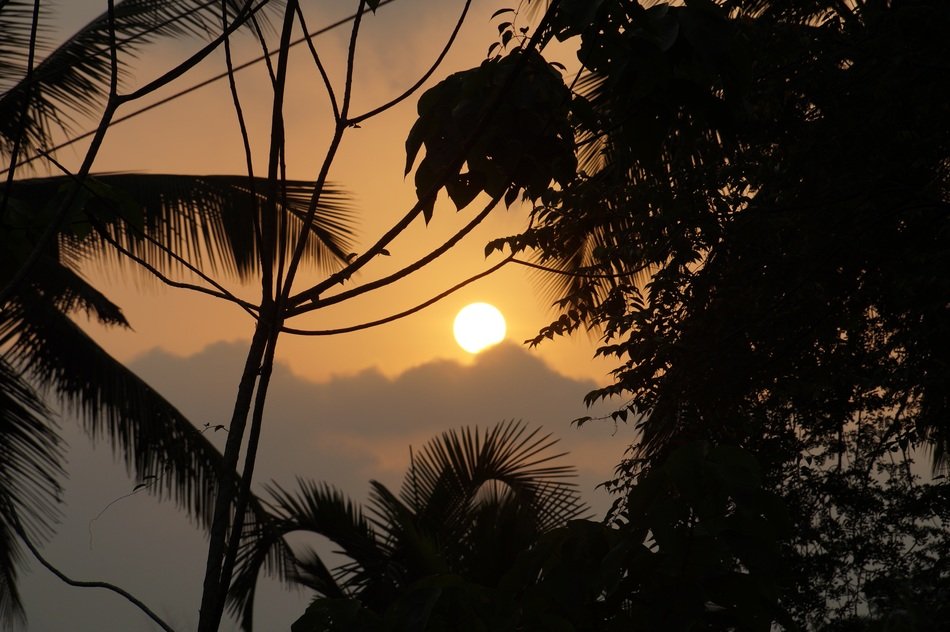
pixel 157 442
pixel 207 220
pixel 312 508
pixel 75 76
pixel 16 18
pixel 459 462
pixel 30 466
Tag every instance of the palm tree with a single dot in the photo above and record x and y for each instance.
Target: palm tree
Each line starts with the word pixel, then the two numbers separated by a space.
pixel 470 503
pixel 159 220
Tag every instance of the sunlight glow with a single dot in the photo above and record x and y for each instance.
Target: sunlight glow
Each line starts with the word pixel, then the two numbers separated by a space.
pixel 478 326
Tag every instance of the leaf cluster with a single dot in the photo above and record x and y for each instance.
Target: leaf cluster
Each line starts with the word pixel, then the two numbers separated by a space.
pixel 518 105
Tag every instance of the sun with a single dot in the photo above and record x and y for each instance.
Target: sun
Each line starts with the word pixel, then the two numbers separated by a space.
pixel 477 326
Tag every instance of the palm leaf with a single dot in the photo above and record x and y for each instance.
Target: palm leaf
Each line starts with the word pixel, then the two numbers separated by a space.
pixel 457 464
pixel 207 220
pixel 313 508
pixel 30 464
pixel 75 76
pixel 156 441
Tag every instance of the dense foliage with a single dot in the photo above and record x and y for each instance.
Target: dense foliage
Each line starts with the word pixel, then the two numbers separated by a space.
pixel 757 228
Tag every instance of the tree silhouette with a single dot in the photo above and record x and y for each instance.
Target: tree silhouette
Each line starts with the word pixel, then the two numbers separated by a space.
pixel 470 503
pixel 754 228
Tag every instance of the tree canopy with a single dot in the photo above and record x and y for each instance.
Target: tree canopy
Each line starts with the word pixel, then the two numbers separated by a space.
pixel 756 228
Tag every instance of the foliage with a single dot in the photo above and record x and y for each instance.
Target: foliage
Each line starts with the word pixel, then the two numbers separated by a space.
pixel 469 504
pixel 697 549
pixel 520 103
pixel 757 229
pixel 72 78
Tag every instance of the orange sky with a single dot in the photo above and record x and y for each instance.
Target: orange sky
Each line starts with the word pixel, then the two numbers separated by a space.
pixel 199 134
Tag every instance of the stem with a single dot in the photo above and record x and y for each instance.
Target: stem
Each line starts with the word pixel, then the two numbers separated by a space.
pixel 84 584
pixel 217 579
pixel 208 621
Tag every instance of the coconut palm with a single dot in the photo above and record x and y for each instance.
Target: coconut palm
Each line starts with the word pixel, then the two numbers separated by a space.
pixel 161 220
pixel 470 502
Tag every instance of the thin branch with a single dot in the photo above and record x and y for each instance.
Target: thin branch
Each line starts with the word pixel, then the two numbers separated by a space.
pixel 243 16
pixel 235 98
pixel 193 88
pixel 323 72
pixel 581 275
pixel 267 54
pixel 404 272
pixel 84 584
pixel 409 92
pixel 221 293
pixel 408 312
pixel 351 61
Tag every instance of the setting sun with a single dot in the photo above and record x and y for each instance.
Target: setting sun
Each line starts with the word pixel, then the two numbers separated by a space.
pixel 478 326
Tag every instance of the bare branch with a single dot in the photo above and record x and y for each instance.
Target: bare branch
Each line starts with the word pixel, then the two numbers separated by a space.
pixel 84 584
pixel 404 272
pixel 424 78
pixel 408 312
pixel 323 73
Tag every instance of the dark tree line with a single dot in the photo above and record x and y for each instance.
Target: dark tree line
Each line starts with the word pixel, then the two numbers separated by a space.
pixel 757 226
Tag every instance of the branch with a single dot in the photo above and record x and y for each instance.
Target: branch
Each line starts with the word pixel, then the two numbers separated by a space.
pixel 423 79
pixel 323 73
pixel 84 584
pixel 408 312
pixel 581 275
pixel 404 272
pixel 351 60
pixel 191 89
pixel 196 58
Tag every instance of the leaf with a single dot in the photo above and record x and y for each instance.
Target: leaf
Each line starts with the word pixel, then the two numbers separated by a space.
pixel 506 37
pixel 500 12
pixel 503 27
pixel 491 49
pixel 511 195
pixel 373 5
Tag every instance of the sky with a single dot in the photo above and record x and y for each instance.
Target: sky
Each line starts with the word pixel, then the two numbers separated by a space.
pixel 344 409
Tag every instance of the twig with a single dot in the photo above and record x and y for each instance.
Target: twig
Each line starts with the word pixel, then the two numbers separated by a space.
pixel 404 272
pixel 408 312
pixel 85 584
pixel 405 95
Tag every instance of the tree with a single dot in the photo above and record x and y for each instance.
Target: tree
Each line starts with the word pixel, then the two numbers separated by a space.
pixel 697 548
pixel 755 229
pixel 469 504
pixel 147 218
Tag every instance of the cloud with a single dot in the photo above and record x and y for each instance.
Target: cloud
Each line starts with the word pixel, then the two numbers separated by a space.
pixel 344 431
